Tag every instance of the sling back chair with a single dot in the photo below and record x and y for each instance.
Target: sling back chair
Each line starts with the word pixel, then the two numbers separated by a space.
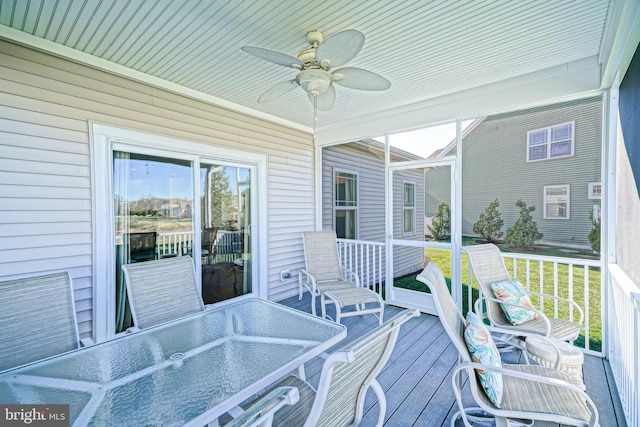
pixel 488 268
pixel 142 246
pixel 529 392
pixel 162 290
pixel 345 377
pixel 323 276
pixel 37 320
pixel 261 414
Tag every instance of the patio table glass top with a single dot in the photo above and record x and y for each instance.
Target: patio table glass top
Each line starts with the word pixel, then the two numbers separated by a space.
pixel 185 372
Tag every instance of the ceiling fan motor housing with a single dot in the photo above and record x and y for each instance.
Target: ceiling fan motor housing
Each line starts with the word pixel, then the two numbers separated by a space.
pixel 308 58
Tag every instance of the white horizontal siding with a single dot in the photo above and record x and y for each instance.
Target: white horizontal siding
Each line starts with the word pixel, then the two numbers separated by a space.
pixel 45 165
pixel 353 158
pixel 357 158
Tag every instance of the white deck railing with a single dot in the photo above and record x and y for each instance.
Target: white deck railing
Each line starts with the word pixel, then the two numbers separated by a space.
pixel 178 243
pixel 576 279
pixel 228 243
pixel 366 259
pixel 623 333
pixel 573 278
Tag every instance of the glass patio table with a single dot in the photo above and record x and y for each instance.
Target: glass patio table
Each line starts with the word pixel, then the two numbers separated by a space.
pixel 187 372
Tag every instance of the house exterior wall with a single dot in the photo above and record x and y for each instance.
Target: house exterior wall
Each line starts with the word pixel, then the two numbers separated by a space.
pixel 368 163
pixel 495 165
pixel 46 217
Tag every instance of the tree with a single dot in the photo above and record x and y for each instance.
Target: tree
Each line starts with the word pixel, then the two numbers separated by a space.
pixel 223 210
pixel 441 225
pixel 489 223
pixel 594 233
pixel 524 232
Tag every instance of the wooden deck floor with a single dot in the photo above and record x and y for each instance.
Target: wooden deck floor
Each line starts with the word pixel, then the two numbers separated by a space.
pixel 417 378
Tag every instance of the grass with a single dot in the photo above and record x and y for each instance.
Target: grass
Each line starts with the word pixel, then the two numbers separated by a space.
pixel 442 258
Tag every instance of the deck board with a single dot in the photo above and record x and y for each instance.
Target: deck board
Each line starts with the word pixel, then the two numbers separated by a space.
pixel 417 378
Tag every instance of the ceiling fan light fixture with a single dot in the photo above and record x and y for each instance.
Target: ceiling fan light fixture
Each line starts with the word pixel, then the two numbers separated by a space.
pixel 314 81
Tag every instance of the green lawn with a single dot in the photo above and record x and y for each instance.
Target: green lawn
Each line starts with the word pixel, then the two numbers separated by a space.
pixel 442 258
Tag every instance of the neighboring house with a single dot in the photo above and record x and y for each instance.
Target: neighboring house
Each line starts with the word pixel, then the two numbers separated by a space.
pixel 549 157
pixel 353 195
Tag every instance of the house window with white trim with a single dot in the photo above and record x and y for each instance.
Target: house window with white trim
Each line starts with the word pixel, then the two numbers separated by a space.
pixel 409 207
pixel 556 202
pixel 551 142
pixel 595 190
pixel 345 204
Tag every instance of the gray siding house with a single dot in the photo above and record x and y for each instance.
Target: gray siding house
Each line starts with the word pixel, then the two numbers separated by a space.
pixel 550 157
pixel 353 196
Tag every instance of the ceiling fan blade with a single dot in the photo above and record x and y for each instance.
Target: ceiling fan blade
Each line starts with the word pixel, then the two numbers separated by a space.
pixel 339 48
pixel 278 90
pixel 324 100
pixel 357 78
pixel 273 56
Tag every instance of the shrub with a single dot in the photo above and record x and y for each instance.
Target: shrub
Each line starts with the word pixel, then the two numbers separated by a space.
pixel 441 225
pixel 525 230
pixel 489 223
pixel 594 233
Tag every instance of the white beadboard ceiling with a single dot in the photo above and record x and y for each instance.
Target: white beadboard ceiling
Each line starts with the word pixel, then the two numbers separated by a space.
pixel 431 51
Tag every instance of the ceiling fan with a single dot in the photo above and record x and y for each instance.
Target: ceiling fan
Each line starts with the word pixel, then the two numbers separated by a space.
pixel 315 64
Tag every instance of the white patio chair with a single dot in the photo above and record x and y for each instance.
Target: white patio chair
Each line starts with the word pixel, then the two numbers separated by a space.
pixel 488 267
pixel 261 413
pixel 346 375
pixel 530 392
pixel 325 277
pixel 37 319
pixel 162 290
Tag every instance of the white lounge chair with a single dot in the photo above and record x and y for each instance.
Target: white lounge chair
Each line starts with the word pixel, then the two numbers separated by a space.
pixel 334 284
pixel 346 375
pixel 530 392
pixel 162 290
pixel 488 267
pixel 37 319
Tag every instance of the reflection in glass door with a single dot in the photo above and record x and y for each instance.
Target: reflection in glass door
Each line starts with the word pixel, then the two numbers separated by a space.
pixel 225 197
pixel 153 213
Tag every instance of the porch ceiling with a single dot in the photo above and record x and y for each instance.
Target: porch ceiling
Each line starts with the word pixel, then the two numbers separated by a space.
pixel 436 53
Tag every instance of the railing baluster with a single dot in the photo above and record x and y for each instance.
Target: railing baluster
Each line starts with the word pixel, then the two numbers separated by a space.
pixel 555 288
pixel 541 283
pixel 586 306
pixel 570 296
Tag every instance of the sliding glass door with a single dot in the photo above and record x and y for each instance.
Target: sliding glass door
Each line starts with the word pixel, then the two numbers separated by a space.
pixel 158 196
pixel 155 217
pixel 225 231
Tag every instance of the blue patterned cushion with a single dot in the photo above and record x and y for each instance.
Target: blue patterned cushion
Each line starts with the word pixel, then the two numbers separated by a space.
pixel 483 350
pixel 513 292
